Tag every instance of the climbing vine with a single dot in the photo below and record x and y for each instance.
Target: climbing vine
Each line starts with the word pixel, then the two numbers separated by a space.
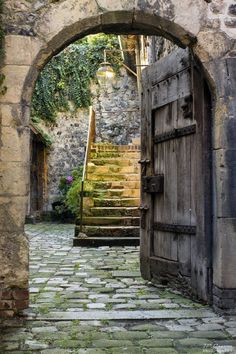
pixel 64 83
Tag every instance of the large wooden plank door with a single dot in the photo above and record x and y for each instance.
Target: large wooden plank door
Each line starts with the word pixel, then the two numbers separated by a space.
pixel 176 175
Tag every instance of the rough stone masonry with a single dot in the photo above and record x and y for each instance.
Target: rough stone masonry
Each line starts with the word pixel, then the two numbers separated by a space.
pixel 35 31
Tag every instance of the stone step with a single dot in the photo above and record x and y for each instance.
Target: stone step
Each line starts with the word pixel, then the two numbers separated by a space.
pixel 106 241
pixel 125 202
pixel 128 315
pixel 113 177
pixel 117 193
pixel 113 211
pixel 116 184
pixel 91 169
pixel 115 154
pixel 110 147
pixel 109 220
pixel 118 161
pixel 108 231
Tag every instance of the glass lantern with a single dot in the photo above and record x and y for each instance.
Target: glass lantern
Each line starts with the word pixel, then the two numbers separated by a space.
pixel 105 73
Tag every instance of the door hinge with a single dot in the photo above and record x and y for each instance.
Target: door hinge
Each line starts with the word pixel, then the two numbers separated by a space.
pixel 143 209
pixel 175 133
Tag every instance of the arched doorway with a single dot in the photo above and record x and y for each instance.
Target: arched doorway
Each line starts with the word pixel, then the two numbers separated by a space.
pixel 56 27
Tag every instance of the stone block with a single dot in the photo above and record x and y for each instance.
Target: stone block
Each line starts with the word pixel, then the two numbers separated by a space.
pixel 15 144
pixel 224 253
pixel 224 299
pixel 12 213
pixel 225 184
pixel 121 18
pixel 20 294
pixel 21 304
pixel 6 304
pixel 14 115
pixel 75 13
pixel 17 50
pixel 230 22
pixel 218 7
pixel 232 10
pixel 108 6
pixel 214 43
pixel 14 259
pixel 14 179
pixel 15 76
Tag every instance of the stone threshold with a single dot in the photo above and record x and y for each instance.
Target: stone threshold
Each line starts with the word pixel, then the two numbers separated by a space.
pixel 126 315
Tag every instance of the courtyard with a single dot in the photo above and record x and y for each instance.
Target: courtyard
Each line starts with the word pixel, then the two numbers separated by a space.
pixel 93 300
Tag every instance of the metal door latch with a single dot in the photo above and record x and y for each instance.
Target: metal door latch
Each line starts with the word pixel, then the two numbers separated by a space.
pixel 143 209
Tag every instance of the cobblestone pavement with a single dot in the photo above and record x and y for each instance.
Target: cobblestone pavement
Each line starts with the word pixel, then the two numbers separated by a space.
pixel 94 301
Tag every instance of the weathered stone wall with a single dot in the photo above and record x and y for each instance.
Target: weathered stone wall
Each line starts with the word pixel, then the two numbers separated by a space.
pixel 38 29
pixel 117 115
pixel 158 47
pixel 69 136
pixel 117 109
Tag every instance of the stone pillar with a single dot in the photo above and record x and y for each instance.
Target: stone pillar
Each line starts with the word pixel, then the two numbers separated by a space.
pixel 14 179
pixel 224 189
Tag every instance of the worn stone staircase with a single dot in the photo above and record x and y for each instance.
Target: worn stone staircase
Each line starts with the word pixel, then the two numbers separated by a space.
pixel 111 215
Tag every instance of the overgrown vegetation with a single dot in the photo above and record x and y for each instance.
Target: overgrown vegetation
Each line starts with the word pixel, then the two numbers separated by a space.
pixel 64 83
pixel 68 204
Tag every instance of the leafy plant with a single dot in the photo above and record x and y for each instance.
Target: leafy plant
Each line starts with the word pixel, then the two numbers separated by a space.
pixel 70 189
pixel 67 77
pixel 73 195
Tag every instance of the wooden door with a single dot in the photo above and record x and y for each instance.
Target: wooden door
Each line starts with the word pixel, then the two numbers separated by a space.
pixel 37 175
pixel 176 215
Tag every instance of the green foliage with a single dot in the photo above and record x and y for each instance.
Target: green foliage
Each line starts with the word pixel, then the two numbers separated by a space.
pixel 69 201
pixel 73 195
pixel 66 78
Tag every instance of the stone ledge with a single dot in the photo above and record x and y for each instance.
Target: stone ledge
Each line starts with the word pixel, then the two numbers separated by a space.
pixel 224 300
pixel 13 300
pixel 127 315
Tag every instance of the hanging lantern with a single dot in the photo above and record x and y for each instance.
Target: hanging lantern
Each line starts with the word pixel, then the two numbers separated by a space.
pixel 105 73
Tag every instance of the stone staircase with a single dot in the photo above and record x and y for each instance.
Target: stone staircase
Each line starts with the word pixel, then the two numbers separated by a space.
pixel 111 215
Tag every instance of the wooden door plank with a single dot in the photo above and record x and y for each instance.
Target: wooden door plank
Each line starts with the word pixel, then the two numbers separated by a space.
pixel 146 170
pixel 169 66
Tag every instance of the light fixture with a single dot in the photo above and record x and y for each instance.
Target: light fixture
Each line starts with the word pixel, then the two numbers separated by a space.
pixel 105 73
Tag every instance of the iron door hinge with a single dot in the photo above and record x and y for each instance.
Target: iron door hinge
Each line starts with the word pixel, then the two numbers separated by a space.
pixel 143 211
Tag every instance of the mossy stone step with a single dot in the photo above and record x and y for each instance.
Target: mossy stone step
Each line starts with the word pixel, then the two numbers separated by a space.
pixel 109 231
pixel 126 202
pixel 110 220
pixel 115 154
pixel 113 177
pixel 118 161
pixel 113 211
pixel 116 185
pixel 111 147
pixel 111 169
pixel 114 193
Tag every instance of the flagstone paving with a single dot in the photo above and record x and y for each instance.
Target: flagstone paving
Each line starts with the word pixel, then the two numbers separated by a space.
pixel 93 300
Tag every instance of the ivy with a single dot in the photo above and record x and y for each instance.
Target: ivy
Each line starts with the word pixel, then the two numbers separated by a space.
pixel 65 80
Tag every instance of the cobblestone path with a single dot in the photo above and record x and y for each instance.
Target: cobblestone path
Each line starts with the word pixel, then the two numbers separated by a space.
pixel 94 301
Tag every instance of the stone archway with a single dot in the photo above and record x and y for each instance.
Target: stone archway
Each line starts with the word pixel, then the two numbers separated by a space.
pixel 34 35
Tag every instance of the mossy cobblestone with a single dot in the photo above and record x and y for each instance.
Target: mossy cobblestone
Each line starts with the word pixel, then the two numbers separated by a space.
pixel 76 281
